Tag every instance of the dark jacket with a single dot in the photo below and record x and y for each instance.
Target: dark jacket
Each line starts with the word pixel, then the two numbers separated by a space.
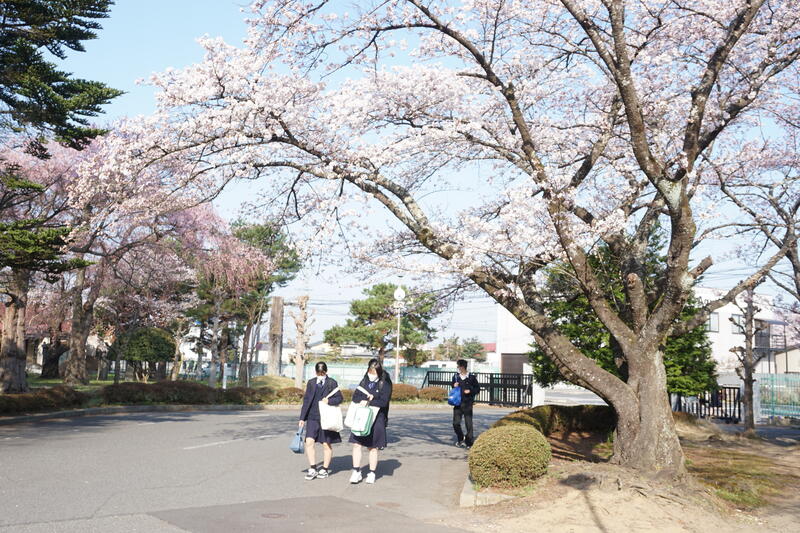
pixel 469 383
pixel 311 389
pixel 381 398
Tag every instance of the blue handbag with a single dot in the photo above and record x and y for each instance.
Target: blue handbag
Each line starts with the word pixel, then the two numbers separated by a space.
pixel 298 441
pixel 454 398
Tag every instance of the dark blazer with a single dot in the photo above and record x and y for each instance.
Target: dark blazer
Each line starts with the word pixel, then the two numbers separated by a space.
pixel 381 398
pixel 469 383
pixel 311 386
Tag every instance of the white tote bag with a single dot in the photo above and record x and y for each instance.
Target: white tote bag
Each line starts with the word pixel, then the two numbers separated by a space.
pixel 353 420
pixel 330 416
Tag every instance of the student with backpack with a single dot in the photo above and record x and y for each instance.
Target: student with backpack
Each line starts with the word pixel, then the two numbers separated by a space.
pixel 318 390
pixel 468 385
pixel 378 387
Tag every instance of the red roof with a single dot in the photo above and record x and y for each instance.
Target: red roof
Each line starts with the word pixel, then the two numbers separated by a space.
pixel 490 346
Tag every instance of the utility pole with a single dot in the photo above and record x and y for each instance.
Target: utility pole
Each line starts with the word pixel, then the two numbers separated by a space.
pixel 302 324
pixel 399 296
pixel 275 335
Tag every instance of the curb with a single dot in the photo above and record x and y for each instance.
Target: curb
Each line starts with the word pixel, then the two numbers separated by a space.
pixel 472 498
pixel 95 411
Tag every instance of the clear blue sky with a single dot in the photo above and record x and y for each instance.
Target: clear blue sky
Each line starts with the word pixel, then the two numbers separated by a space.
pixel 146 36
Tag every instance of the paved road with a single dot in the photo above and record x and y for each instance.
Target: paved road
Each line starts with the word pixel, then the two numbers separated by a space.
pixel 222 471
pixel 571 396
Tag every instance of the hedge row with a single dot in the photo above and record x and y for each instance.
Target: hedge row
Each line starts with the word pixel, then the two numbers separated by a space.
pixel 192 393
pixel 59 397
pixel 182 392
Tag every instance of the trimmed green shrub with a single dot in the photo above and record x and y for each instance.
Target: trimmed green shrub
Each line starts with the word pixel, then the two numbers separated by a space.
pixel 59 397
pixel 403 393
pixel 433 394
pixel 189 392
pixel 177 392
pixel 550 418
pixel 291 394
pixel 509 456
pixel 127 393
pixel 245 396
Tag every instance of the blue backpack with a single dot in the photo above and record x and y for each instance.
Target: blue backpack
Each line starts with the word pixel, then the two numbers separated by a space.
pixel 454 398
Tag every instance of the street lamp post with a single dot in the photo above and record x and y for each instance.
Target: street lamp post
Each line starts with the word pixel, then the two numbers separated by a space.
pixel 399 296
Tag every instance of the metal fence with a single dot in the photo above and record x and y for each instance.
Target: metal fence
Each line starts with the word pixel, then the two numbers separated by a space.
pixel 513 390
pixel 780 395
pixel 346 374
pixel 724 403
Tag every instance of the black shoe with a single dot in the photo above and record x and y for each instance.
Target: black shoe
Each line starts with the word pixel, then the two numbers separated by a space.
pixel 459 444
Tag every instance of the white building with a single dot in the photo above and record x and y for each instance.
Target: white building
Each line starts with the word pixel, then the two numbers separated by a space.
pixel 514 340
pixel 513 344
pixel 725 331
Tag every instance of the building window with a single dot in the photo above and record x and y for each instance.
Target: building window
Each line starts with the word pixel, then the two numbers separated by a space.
pixel 737 324
pixel 712 324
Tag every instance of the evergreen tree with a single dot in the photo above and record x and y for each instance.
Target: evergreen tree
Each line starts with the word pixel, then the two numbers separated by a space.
pixel 687 358
pixel 35 96
pixel 374 321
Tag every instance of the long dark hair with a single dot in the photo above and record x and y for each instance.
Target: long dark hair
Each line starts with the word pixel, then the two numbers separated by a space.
pixel 376 364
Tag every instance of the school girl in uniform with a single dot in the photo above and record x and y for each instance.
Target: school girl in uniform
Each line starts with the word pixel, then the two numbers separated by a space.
pixel 379 387
pixel 317 390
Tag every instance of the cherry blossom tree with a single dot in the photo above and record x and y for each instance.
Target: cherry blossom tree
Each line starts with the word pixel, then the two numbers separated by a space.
pixel 151 286
pixel 115 213
pixel 563 123
pixel 228 269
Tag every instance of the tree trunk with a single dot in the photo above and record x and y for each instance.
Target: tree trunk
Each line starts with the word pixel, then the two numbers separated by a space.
pixel 381 353
pixel 301 325
pixel 139 370
pixel 117 366
pixel 244 362
pixel 199 349
pixel 103 369
pixel 646 439
pixel 51 353
pixel 82 316
pixel 215 330
pixel 177 360
pixel 223 352
pixel 13 357
pixel 749 362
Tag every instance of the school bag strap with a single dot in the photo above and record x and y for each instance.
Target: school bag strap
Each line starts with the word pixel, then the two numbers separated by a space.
pixel 331 393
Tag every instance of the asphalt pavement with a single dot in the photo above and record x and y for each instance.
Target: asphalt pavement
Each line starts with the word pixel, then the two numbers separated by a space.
pixel 224 471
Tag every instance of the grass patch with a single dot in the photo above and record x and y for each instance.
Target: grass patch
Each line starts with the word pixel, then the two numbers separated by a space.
pixel 746 480
pixel 274 383
pixel 35 382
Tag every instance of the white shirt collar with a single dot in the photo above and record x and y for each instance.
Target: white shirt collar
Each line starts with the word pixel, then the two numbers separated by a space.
pixel 321 380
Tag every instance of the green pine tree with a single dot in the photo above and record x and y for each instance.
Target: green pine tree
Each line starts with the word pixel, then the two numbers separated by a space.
pixel 374 321
pixel 35 96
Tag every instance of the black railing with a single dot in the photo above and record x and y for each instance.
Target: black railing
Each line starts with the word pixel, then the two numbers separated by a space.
pixel 514 390
pixel 724 403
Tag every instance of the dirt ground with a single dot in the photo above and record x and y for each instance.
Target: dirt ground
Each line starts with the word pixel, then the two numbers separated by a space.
pixel 582 493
